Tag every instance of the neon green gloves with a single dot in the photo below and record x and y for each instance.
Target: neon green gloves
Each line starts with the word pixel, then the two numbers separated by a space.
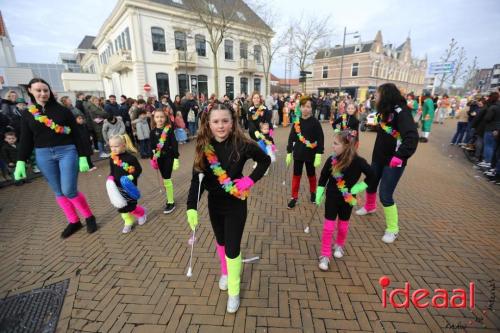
pixel 320 191
pixel 176 164
pixel 20 171
pixel 83 165
pixel 317 160
pixel 358 187
pixel 288 159
pixel 192 217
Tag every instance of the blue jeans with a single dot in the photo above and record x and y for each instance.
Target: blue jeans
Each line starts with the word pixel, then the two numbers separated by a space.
pixel 144 148
pixel 100 146
pixel 388 179
pixel 459 134
pixel 59 165
pixel 192 128
pixel 490 144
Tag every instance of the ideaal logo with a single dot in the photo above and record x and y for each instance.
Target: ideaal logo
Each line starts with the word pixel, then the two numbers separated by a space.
pixel 440 299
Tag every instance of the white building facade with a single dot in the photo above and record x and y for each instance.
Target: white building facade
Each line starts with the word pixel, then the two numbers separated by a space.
pixel 158 42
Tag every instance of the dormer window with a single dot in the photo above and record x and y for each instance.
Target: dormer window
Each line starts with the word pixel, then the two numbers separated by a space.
pixel 357 49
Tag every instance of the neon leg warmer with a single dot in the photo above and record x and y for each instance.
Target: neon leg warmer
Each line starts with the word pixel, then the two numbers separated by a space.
pixel 312 183
pixel 343 229
pixel 128 218
pixel 234 275
pixel 222 256
pixel 295 186
pixel 169 189
pixel 80 203
pixel 326 238
pixel 371 201
pixel 391 218
pixel 138 211
pixel 68 209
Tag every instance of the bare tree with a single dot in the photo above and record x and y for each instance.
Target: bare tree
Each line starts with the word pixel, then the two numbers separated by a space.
pixel 308 38
pixel 470 75
pixel 448 56
pixel 458 71
pixel 217 17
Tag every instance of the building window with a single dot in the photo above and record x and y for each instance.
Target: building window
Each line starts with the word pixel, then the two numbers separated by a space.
pixel 256 85
pixel 228 49
pixel 180 40
pixel 203 85
pixel 158 37
pixel 257 53
pixel 127 38
pixel 201 45
pixel 177 1
pixel 162 84
pixel 354 69
pixel 244 85
pixel 241 16
pixel 183 84
pixel 357 49
pixel 230 87
pixel 325 72
pixel 92 69
pixel 243 50
pixel 110 46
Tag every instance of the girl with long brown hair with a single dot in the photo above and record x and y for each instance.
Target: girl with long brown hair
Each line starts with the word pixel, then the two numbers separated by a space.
pixel 221 152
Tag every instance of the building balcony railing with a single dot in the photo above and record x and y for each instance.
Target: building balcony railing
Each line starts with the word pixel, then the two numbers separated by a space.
pixel 247 66
pixel 184 59
pixel 120 62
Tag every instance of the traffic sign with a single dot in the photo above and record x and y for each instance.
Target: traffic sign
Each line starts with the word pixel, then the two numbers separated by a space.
pixel 147 87
pixel 441 67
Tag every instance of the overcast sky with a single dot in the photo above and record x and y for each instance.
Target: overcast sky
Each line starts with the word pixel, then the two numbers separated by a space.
pixel 40 30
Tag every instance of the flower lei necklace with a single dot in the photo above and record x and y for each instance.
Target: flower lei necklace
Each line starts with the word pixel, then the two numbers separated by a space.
pixel 48 122
pixel 339 179
pixel 161 142
pixel 130 169
pixel 221 174
pixel 389 130
pixel 296 125
pixel 344 121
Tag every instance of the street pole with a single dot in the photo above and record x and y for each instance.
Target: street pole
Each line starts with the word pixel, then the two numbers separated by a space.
pixel 186 67
pixel 342 61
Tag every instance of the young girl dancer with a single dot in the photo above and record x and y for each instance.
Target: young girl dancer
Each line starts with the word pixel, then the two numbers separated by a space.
pixel 50 128
pixel 348 120
pixel 165 154
pixel 306 143
pixel 266 142
pixel 340 175
pixel 258 113
pixel 221 152
pixel 397 140
pixel 125 168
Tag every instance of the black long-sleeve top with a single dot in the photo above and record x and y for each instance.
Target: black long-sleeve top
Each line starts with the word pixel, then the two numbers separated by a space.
pixel 253 124
pixel 311 130
pixel 385 144
pixel 351 175
pixel 170 149
pixel 232 164
pixel 37 135
pixel 117 172
pixel 352 123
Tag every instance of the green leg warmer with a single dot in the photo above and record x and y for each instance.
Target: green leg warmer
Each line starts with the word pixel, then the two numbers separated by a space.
pixel 169 189
pixel 391 218
pixel 128 218
pixel 233 275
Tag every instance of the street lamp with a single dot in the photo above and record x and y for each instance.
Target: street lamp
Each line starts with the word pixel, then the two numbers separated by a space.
pixel 355 33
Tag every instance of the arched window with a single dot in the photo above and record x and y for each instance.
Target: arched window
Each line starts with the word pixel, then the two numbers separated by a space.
pixel 158 38
pixel 243 50
pixel 230 87
pixel 162 84
pixel 180 40
pixel 257 53
pixel 201 46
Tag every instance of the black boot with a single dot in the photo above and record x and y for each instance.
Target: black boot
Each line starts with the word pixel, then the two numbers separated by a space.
pixel 91 225
pixel 70 229
pixel 313 197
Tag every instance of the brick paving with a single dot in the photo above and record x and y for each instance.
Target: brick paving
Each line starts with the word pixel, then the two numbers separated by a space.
pixel 449 222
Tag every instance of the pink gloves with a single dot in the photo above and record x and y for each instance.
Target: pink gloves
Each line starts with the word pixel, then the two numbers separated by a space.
pixel 243 184
pixel 111 178
pixel 271 132
pixel 395 162
pixel 154 163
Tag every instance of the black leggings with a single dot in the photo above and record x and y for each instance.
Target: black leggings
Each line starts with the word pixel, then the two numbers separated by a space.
pixel 336 206
pixel 89 161
pixel 299 165
pixel 165 165
pixel 228 217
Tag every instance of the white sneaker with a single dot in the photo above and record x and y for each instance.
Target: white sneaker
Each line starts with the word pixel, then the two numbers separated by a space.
pixel 35 169
pixel 362 211
pixel 126 229
pixel 233 303
pixel 254 165
pixel 267 172
pixel 339 252
pixel 389 237
pixel 223 282
pixel 104 155
pixel 324 263
pixel 141 220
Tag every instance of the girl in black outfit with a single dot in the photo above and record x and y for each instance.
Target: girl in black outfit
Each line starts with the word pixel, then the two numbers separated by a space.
pixel 397 140
pixel 258 113
pixel 51 129
pixel 348 120
pixel 221 152
pixel 306 141
pixel 165 154
pixel 123 164
pixel 344 165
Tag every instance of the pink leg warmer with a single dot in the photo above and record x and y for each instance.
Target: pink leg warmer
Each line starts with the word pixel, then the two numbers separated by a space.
pixel 68 209
pixel 222 256
pixel 138 211
pixel 80 203
pixel 326 238
pixel 371 201
pixel 343 229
